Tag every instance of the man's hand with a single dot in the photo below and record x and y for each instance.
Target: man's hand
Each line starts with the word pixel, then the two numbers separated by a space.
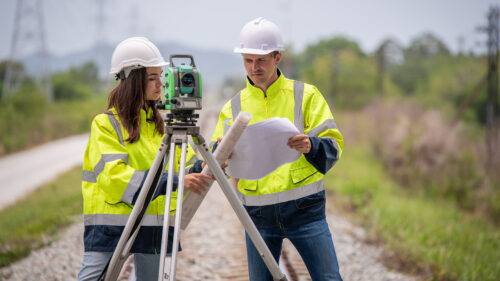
pixel 219 139
pixel 197 182
pixel 301 143
pixel 223 166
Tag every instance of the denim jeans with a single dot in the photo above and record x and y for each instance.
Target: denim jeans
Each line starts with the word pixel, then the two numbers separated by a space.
pixel 314 243
pixel 146 266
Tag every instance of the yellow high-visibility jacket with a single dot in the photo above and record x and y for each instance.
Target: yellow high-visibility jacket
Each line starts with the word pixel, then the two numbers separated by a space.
pixel 113 171
pixel 306 108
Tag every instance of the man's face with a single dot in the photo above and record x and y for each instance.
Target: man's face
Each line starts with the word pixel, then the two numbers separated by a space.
pixel 261 69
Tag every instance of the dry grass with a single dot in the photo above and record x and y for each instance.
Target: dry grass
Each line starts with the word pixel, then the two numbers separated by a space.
pixel 423 151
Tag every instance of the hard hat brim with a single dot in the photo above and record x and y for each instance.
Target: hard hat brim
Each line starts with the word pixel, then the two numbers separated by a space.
pixel 161 64
pixel 252 51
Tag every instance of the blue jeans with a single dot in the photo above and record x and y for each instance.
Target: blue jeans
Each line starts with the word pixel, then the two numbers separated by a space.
pixel 146 266
pixel 314 243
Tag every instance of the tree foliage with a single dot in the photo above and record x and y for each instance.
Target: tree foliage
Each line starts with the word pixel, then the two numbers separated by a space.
pixel 426 45
pixel 17 67
pixel 425 71
pixel 32 120
pixel 340 70
pixel 76 83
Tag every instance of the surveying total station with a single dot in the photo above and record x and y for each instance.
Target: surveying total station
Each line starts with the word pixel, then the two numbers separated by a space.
pixel 183 90
pixel 183 94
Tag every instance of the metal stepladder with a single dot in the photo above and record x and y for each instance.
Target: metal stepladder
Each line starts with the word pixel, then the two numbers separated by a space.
pixel 177 135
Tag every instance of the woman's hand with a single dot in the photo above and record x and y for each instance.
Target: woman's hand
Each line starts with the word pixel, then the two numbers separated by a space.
pixel 223 166
pixel 197 182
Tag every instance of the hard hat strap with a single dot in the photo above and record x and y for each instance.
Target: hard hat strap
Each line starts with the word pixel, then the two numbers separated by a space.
pixel 120 75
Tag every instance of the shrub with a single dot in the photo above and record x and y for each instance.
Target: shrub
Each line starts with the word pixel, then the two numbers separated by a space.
pixel 425 153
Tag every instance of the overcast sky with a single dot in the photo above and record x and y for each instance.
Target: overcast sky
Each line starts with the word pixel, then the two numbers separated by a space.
pixel 73 25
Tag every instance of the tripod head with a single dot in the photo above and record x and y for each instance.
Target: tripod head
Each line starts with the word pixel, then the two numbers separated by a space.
pixel 182 118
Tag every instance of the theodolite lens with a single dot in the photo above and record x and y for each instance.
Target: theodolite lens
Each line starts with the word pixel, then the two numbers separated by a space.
pixel 187 79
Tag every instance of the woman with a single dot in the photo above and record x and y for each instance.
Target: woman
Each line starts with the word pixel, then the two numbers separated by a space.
pixel 123 143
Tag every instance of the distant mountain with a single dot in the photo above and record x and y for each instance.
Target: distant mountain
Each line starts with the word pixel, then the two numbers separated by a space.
pixel 214 65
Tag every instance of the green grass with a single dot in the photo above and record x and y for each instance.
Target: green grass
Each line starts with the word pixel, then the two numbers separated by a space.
pixel 33 121
pixel 35 220
pixel 421 230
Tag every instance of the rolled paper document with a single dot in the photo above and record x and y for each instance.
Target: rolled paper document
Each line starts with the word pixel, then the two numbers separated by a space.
pixel 192 200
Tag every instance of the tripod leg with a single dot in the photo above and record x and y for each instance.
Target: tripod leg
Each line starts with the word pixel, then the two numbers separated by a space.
pixel 122 250
pixel 178 214
pixel 166 217
pixel 166 263
pixel 240 211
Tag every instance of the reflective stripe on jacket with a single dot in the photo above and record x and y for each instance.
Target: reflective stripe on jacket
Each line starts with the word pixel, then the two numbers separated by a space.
pixel 113 171
pixel 303 105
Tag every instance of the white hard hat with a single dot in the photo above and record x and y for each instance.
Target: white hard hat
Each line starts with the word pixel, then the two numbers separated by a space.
pixel 259 37
pixel 133 53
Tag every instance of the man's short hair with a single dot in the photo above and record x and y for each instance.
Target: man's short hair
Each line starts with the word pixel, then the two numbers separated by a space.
pixel 275 53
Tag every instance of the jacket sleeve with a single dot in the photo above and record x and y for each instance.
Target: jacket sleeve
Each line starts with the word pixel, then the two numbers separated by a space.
pixel 162 183
pixel 326 139
pixel 196 168
pixel 193 164
pixel 109 159
pixel 225 117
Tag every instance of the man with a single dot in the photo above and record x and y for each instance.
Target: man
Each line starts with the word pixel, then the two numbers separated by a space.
pixel 290 202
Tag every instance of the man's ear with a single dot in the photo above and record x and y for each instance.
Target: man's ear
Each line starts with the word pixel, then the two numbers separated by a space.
pixel 278 58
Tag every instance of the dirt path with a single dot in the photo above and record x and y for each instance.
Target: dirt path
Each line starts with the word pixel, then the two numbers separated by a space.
pixel 23 172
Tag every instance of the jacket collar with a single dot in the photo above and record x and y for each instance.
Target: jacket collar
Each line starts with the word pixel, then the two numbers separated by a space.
pixel 274 87
pixel 144 116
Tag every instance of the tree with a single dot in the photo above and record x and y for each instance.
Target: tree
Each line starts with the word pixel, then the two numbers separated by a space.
pixel 418 57
pixel 329 47
pixel 425 46
pixel 76 83
pixel 340 70
pixel 17 67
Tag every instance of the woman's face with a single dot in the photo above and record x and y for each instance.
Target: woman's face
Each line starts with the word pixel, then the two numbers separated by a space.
pixel 153 83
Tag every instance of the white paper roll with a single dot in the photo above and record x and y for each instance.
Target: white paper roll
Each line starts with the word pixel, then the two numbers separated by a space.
pixel 192 200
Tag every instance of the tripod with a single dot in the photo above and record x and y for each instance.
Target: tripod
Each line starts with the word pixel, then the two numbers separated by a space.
pixel 177 135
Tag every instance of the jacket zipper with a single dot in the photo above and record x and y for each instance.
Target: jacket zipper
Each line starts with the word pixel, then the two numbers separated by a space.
pixel 267 105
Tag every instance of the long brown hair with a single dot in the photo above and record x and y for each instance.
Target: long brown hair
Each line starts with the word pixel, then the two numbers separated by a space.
pixel 128 98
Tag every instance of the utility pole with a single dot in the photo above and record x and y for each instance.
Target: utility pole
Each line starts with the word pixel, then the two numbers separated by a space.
pixel 29 31
pixel 387 54
pixel 492 88
pixel 381 58
pixel 335 68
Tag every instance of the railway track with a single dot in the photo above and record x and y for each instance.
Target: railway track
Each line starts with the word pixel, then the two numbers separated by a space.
pixel 214 242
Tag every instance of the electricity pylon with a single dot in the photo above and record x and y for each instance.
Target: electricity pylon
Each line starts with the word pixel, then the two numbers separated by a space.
pixel 28 35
